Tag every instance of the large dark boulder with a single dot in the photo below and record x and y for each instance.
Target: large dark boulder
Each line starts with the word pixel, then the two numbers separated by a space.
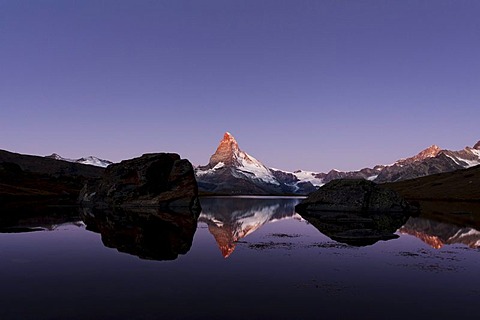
pixel 355 195
pixel 157 179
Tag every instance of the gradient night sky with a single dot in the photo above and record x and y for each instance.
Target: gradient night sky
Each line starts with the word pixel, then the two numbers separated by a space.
pixel 308 85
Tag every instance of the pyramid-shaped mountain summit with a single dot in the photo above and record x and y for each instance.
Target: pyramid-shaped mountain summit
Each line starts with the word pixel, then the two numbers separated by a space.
pixel 233 171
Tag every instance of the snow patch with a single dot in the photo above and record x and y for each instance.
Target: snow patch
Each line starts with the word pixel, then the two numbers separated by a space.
pixel 90 160
pixel 249 165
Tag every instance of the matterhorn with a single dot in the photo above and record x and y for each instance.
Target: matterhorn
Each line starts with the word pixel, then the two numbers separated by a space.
pixel 233 171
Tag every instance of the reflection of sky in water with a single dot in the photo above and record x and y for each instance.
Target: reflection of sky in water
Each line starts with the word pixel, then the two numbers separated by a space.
pixel 285 269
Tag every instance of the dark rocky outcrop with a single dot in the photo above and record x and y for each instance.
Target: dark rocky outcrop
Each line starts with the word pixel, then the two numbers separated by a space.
pixel 148 233
pixel 353 195
pixel 365 173
pixel 157 179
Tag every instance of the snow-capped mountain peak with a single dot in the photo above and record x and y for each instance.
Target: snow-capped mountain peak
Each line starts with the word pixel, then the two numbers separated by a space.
pixel 90 160
pixel 229 162
pixel 227 151
pixel 429 152
pixel 55 156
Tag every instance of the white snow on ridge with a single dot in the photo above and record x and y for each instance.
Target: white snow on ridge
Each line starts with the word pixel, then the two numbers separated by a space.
pixel 470 163
pixel 90 160
pixel 199 172
pixel 308 176
pixel 94 161
pixel 304 176
pixel 475 152
pixel 250 165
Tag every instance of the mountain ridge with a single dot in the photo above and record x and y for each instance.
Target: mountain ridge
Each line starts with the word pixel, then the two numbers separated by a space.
pixel 90 160
pixel 233 171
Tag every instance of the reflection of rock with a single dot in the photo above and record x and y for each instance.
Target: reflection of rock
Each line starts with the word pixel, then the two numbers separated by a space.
pixel 231 219
pixel 160 179
pixel 437 234
pixel 356 195
pixel 357 229
pixel 148 233
pixel 37 218
pixel 356 212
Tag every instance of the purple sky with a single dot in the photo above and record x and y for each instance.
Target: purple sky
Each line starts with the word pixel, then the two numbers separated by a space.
pixel 308 85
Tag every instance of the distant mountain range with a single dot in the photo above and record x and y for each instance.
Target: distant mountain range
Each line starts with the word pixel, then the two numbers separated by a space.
pixel 90 160
pixel 231 170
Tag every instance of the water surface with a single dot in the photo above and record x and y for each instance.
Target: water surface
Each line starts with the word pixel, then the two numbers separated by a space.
pixel 243 258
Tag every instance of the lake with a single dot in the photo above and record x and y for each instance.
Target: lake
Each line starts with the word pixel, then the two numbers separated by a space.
pixel 243 258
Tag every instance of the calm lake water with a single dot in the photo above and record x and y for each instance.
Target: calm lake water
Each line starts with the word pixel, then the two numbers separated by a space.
pixel 243 258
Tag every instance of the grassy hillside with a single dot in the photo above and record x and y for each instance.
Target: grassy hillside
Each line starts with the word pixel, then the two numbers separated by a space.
pixel 460 185
pixel 452 197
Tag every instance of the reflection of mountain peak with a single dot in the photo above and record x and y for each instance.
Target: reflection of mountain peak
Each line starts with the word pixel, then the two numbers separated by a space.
pixel 224 236
pixel 437 234
pixel 242 216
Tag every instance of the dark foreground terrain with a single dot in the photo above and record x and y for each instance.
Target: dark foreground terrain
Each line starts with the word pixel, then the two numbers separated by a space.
pixel 26 179
pixel 452 197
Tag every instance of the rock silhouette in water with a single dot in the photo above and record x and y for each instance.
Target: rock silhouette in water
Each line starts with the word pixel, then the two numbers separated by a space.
pixel 157 179
pixel 355 212
pixel 148 233
pixel 355 229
